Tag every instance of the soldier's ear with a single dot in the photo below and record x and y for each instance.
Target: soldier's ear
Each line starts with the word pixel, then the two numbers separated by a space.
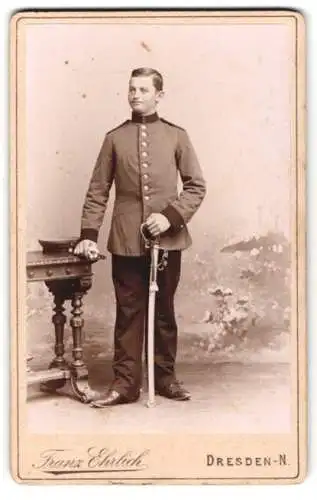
pixel 160 94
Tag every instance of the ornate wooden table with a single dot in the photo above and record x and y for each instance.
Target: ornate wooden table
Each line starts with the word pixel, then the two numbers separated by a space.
pixel 68 278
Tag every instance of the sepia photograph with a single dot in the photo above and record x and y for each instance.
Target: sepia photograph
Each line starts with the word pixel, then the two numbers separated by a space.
pixel 159 233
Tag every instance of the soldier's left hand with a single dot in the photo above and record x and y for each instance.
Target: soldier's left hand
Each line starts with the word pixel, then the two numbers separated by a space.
pixel 157 224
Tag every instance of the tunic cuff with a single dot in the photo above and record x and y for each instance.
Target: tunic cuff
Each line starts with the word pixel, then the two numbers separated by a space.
pixel 174 218
pixel 89 234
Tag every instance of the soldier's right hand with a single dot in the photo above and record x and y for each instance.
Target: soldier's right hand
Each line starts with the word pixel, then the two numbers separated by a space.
pixel 88 249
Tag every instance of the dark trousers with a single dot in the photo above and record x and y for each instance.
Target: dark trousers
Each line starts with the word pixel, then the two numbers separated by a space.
pixel 130 277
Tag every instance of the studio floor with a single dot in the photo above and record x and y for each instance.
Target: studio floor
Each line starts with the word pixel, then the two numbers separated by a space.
pixel 227 397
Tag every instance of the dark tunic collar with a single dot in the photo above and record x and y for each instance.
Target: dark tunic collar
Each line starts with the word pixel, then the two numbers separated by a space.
pixel 137 118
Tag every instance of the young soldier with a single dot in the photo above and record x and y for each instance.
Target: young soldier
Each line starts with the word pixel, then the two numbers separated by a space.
pixel 143 157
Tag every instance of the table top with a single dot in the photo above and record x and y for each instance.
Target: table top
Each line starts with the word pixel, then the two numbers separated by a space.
pixel 38 258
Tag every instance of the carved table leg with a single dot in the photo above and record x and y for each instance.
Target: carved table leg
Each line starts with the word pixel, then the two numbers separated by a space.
pixel 79 372
pixel 59 320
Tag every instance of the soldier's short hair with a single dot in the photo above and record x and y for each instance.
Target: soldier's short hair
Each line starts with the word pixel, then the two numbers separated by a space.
pixel 156 75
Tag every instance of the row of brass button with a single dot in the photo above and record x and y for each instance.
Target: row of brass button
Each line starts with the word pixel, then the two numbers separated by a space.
pixel 144 155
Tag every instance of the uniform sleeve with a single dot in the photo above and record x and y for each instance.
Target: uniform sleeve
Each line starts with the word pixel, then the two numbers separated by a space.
pixel 194 186
pixel 97 195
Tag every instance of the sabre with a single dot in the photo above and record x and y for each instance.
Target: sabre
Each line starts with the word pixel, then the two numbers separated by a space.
pixel 153 245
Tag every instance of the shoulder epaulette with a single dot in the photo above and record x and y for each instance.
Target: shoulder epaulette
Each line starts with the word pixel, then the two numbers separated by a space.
pixel 171 124
pixel 118 126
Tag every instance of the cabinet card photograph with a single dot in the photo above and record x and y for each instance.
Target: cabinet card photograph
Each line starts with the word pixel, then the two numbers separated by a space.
pixel 158 247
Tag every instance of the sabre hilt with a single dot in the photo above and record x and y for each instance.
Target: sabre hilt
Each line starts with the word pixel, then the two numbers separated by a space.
pixel 149 239
pixel 153 243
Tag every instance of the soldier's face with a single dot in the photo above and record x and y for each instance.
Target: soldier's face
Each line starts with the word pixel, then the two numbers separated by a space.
pixel 143 96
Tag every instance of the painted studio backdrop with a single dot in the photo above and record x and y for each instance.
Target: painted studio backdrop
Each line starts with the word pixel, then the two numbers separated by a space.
pixel 230 86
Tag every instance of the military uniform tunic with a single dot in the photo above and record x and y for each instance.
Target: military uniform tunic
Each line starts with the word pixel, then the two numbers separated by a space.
pixel 143 158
